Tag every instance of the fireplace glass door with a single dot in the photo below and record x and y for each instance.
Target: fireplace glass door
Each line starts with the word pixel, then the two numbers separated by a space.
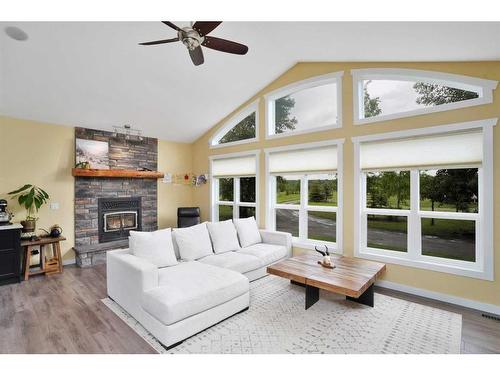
pixel 120 221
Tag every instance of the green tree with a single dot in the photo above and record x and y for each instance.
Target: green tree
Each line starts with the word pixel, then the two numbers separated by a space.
pixel 432 94
pixel 282 108
pixel 317 193
pixel 430 189
pixel 458 187
pixel 371 105
pixel 375 194
pixel 245 129
pixel 226 190
pixel 396 184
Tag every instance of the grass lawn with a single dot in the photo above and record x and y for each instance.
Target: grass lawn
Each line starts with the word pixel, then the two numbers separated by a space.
pixel 442 228
pixel 386 247
pixel 425 205
pixel 284 198
pixel 324 215
pixel 225 212
pixel 320 237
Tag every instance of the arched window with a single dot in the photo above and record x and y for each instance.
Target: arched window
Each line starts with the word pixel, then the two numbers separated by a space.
pixel 386 94
pixel 241 128
pixel 310 105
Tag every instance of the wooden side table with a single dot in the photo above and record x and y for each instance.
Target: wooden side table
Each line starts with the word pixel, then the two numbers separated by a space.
pixel 48 266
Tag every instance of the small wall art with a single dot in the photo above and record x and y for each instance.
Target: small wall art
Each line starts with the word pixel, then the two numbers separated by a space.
pixel 96 153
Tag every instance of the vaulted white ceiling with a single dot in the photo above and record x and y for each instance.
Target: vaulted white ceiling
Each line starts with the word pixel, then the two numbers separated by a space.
pixel 93 74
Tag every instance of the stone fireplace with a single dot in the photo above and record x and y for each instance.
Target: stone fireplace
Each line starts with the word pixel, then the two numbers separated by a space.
pixel 128 203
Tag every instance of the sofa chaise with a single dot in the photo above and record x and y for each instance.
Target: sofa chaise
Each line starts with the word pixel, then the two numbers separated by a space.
pixel 179 282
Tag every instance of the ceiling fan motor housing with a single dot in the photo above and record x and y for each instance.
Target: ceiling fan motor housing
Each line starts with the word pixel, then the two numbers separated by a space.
pixel 190 38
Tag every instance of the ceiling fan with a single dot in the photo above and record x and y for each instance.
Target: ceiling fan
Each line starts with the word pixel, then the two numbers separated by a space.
pixel 196 35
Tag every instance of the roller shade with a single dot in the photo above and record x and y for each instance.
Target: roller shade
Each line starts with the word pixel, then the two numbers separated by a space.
pixel 237 166
pixel 321 159
pixel 437 150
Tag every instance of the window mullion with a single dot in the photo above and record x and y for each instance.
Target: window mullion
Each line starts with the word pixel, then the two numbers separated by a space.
pixel 236 197
pixel 414 232
pixel 303 208
pixel 215 199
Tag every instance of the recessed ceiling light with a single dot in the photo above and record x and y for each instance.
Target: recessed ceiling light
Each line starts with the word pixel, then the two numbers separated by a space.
pixel 16 33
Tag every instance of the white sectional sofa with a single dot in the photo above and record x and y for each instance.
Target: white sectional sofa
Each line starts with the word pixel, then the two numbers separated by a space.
pixel 202 283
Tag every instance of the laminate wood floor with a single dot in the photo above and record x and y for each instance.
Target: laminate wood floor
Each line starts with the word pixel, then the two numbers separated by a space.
pixel 64 314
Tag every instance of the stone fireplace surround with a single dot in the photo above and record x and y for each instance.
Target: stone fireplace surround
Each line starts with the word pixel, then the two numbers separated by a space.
pixel 123 154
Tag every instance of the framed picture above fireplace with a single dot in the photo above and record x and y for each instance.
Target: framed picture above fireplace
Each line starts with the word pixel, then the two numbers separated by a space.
pixel 96 153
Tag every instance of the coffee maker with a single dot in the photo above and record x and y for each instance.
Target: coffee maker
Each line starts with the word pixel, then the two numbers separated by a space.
pixel 5 216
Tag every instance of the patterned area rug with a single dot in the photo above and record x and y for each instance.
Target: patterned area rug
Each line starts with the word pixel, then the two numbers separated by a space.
pixel 276 322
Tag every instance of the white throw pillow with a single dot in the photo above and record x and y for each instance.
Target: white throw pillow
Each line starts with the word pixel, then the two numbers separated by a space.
pixel 193 242
pixel 156 247
pixel 248 231
pixel 223 235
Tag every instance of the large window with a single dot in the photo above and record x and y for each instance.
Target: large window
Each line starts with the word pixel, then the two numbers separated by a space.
pixel 241 128
pixel 383 94
pixel 304 193
pixel 423 199
pixel 310 105
pixel 234 186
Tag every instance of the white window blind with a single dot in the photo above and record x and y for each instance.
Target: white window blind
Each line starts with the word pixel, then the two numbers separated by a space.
pixel 437 150
pixel 236 166
pixel 321 159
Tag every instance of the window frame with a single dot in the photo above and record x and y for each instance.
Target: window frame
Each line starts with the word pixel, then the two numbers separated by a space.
pixel 213 142
pixel 302 241
pixel 483 86
pixel 482 268
pixel 325 79
pixel 236 203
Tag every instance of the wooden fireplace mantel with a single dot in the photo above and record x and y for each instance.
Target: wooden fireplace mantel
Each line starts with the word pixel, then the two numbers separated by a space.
pixel 115 173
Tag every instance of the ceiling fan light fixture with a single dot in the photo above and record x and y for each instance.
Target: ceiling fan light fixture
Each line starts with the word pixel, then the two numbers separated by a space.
pixel 196 37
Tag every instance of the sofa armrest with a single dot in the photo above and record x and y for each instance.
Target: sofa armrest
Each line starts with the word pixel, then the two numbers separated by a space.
pixel 277 238
pixel 128 277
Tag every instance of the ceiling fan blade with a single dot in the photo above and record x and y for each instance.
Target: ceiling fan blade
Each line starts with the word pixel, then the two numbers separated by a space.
pixel 159 42
pixel 225 45
pixel 170 24
pixel 197 56
pixel 204 27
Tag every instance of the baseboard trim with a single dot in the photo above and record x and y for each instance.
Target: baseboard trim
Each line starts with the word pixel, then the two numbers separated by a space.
pixel 476 305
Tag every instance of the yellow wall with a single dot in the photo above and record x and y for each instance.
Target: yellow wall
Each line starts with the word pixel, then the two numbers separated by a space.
pixel 469 288
pixel 43 154
pixel 40 154
pixel 174 158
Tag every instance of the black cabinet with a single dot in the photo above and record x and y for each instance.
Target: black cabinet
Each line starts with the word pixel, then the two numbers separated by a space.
pixel 10 256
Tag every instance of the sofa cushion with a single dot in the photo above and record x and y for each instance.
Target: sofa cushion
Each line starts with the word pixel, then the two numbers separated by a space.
pixel 155 247
pixel 193 242
pixel 266 253
pixel 248 231
pixel 223 235
pixel 234 261
pixel 190 288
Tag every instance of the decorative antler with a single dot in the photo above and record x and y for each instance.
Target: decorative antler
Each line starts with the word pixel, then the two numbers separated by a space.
pixel 326 250
pixel 319 251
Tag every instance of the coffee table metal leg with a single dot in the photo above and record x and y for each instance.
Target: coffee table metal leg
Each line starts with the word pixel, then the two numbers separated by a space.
pixel 366 298
pixel 312 295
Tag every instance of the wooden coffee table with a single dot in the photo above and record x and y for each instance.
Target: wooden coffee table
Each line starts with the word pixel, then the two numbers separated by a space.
pixel 352 277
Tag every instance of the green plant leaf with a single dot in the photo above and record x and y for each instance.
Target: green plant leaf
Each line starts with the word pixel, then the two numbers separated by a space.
pixel 20 189
pixel 38 203
pixel 21 199
pixel 44 193
pixel 29 199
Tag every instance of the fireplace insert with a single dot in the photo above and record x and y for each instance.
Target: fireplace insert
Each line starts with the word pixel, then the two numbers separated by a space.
pixel 118 216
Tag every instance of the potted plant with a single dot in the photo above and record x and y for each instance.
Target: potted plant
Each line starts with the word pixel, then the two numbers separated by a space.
pixel 30 197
